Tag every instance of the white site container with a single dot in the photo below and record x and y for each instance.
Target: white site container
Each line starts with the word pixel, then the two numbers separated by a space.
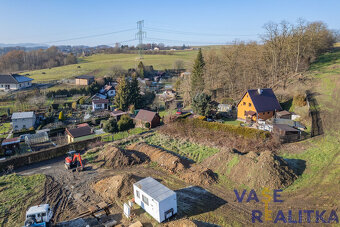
pixel 156 199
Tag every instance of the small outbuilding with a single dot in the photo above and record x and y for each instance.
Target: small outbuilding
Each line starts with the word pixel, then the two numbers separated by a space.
pixel 146 116
pixel 286 133
pixel 284 114
pixel 79 133
pixel 84 80
pixel 156 199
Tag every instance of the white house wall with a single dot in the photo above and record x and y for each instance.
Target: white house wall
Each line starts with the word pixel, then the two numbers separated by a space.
pixel 19 124
pixel 16 86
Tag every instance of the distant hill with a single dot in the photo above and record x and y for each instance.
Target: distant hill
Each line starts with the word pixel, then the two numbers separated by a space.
pixel 25 45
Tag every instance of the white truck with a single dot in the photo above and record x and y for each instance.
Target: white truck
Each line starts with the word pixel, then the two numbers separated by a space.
pixel 39 216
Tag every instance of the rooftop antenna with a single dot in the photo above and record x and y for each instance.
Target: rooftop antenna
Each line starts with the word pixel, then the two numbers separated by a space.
pixel 140 35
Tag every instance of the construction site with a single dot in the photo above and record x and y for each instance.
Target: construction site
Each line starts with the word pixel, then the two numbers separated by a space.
pixel 90 188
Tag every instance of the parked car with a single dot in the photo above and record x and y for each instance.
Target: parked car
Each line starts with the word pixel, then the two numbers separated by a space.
pixel 179 112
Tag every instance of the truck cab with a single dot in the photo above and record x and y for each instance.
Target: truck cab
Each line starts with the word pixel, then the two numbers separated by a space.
pixel 40 215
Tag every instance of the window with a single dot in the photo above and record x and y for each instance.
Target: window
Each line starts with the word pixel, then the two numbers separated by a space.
pixel 137 194
pixel 268 112
pixel 145 200
pixel 249 104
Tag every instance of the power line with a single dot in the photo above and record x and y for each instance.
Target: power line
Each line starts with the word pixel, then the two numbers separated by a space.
pixel 124 41
pixel 192 33
pixel 91 36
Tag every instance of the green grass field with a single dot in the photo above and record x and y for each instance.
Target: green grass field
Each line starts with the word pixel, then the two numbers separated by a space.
pixel 322 155
pixel 17 193
pixel 100 64
pixel 193 151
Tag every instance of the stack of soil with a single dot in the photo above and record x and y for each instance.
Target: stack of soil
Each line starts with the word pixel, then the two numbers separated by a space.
pixel 196 174
pixel 115 187
pixel 199 175
pixel 114 157
pixel 181 223
pixel 252 169
pixel 163 158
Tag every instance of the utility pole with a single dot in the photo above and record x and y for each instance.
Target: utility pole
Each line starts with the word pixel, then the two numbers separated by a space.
pixel 140 35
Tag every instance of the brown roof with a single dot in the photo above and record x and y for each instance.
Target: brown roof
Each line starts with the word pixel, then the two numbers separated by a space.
pixel 286 128
pixel 79 132
pixel 100 101
pixel 250 113
pixel 117 113
pixel 283 113
pixel 146 115
pixel 87 77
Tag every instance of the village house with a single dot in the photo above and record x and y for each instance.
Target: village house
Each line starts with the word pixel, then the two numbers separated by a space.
pixel 81 132
pixel 10 82
pixel 100 104
pixel 258 104
pixel 146 116
pixel 84 80
pixel 23 120
pixel 108 91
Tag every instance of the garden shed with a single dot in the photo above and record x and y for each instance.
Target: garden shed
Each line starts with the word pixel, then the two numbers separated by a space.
pixel 156 199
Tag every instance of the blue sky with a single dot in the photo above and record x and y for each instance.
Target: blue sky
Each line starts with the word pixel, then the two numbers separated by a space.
pixel 171 22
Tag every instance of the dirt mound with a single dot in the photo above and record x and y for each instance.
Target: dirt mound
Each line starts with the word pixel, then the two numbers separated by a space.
pixel 199 175
pixel 181 223
pixel 163 158
pixel 195 174
pixel 114 157
pixel 252 169
pixel 111 188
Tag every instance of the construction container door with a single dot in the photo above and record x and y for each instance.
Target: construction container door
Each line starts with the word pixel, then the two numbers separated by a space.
pixel 168 214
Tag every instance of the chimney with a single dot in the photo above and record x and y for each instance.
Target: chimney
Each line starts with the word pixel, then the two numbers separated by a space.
pixel 259 90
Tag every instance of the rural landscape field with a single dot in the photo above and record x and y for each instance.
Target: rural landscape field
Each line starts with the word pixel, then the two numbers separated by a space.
pixel 199 118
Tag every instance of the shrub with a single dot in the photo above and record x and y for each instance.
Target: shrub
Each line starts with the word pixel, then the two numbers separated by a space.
pixel 245 132
pixel 61 116
pixel 147 125
pixel 299 100
pixel 125 123
pixel 74 105
pixel 110 125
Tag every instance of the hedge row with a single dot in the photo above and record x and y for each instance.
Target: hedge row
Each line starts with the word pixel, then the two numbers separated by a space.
pixel 245 132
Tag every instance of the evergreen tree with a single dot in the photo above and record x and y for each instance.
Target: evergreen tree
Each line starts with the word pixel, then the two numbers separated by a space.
pixel 122 94
pixel 135 97
pixel 197 80
pixel 201 104
pixel 141 69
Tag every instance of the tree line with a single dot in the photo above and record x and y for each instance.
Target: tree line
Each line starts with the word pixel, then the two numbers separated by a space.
pixel 286 51
pixel 18 60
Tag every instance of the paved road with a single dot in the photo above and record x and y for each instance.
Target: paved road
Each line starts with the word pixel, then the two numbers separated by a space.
pixel 48 167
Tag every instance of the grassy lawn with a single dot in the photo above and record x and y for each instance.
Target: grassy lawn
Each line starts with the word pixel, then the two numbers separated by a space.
pixel 232 122
pixel 109 137
pixel 17 193
pixel 4 129
pixel 193 151
pixel 101 64
pixel 322 156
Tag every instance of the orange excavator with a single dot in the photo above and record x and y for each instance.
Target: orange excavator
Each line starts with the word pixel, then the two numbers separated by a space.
pixel 73 160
